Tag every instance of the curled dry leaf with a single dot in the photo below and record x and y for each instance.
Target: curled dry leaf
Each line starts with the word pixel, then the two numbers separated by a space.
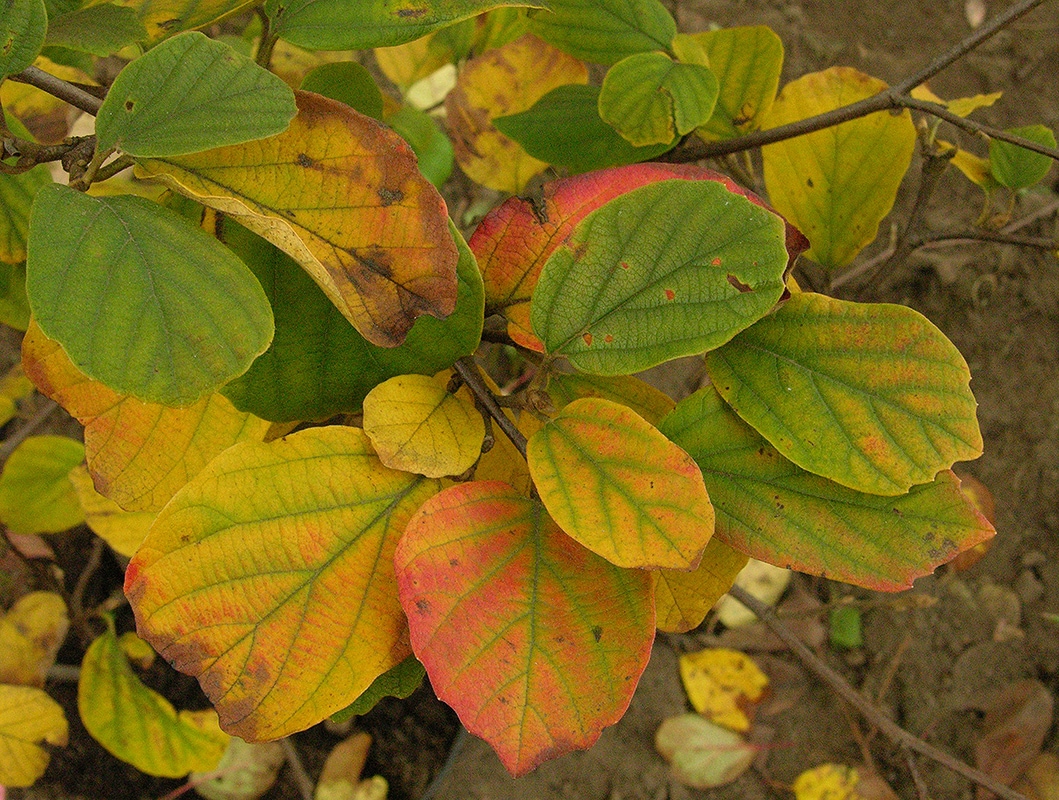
pixel 702 755
pixel 1017 719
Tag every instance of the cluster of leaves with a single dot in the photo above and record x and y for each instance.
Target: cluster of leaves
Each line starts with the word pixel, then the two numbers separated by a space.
pixel 301 266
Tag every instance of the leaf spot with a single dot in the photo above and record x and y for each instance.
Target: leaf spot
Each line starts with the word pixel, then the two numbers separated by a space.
pixel 129 105
pixel 670 294
pixel 809 182
pixel 608 338
pixel 624 264
pixel 390 196
pixel 738 284
pixel 411 12
pixel 588 339
pixel 597 632
pixel 717 262
pixel 423 606
pixel 304 160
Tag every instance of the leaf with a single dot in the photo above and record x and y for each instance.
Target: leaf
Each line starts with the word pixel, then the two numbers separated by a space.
pixel 31 633
pixel 641 397
pixel 682 598
pixel 975 169
pixel 430 144
pixel 22 31
pixel 406 64
pixel 1018 718
pixel 844 627
pixel 747 62
pixel 774 511
pixel 318 365
pixel 702 755
pixel 1016 167
pixel 515 240
pixel 836 185
pixel 347 82
pixel 398 681
pixel 138 725
pixel 14 305
pixel 123 530
pixel 564 127
pixel 45 114
pixel 289 543
pixel 605 31
pixel 342 769
pixel 14 387
pixel 499 83
pixel 534 641
pixel 100 29
pixel 827 782
pixel 36 495
pixel 189 94
pixel 651 99
pixel 359 24
pixel 164 18
pixel 245 772
pixel 723 685
pixel 342 196
pixel 961 107
pixel 620 488
pixel 673 269
pixel 764 581
pixel 138 453
pixel 415 425
pixel 27 718
pixel 1041 779
pixel 16 199
pixel 872 396
pixel 101 267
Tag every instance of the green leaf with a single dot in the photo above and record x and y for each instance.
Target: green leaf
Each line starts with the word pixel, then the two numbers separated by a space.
pixel 670 269
pixel 651 99
pixel 399 682
pixel 872 396
pixel 100 29
pixel 137 724
pixel 36 494
pixel 427 140
pixel 619 487
pixel 23 25
pixel 844 627
pixel 16 199
pixel 140 300
pixel 165 18
pixel 836 185
pixel 747 63
pixel 190 94
pixel 564 127
pixel 605 31
pixel 347 82
pixel 774 511
pixel 318 365
pixel 14 305
pixel 359 24
pixel 1016 167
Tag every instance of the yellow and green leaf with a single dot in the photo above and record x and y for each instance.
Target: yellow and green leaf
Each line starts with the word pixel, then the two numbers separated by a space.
pixel 647 401
pixel 399 681
pixel 28 718
pixel 747 62
pixel 36 494
pixel 536 642
pixel 16 199
pixel 614 483
pixel 267 577
pixel 164 18
pixel 14 386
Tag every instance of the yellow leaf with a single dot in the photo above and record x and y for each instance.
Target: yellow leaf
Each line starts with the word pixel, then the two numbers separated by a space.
pixel 138 725
pixel 341 195
pixel 836 185
pixel 31 633
pixel 163 18
pixel 499 82
pixel 293 63
pixel 415 425
pixel 14 386
pixel 764 581
pixel 682 599
pixel 975 168
pixel 962 106
pixel 828 782
pixel 122 530
pixel 27 718
pixel 136 650
pixel 722 685
pixel 139 454
pixel 45 115
pixel 407 63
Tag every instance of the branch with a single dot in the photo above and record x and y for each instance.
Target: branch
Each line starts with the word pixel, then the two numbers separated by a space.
pixel 1048 245
pixel 468 370
pixel 876 717
pixel 57 87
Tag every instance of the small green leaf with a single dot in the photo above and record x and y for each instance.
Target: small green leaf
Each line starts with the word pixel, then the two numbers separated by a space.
pixel 670 269
pixel 399 682
pixel 1016 167
pixel 650 99
pixel 36 494
pixel 360 24
pixel 347 82
pixel 99 29
pixel 190 94
pixel 605 31
pixel 844 627
pixel 564 127
pixel 100 268
pixel 14 305
pixel 318 365
pixel 427 140
pixel 23 25
pixel 872 396
pixel 16 199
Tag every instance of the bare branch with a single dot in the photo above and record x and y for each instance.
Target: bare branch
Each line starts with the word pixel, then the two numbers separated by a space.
pixel 468 370
pixel 57 87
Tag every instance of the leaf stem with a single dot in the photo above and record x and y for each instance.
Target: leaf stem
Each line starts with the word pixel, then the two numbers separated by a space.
pixel 468 370
pixel 301 777
pixel 872 713
pixel 57 87
pixel 267 43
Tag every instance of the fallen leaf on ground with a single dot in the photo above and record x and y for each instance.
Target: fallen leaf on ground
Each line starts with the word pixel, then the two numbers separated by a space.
pixel 723 685
pixel 702 755
pixel 340 776
pixel 31 633
pixel 764 581
pixel 246 771
pixel 1017 719
pixel 1041 780
pixel 840 782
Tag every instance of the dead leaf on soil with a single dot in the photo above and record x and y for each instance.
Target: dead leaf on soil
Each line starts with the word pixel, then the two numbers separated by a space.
pixel 703 755
pixel 1017 719
pixel 841 782
pixel 1041 781
pixel 723 685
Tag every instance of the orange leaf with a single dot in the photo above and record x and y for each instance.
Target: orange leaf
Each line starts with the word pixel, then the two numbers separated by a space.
pixel 342 195
pixel 533 640
pixel 139 453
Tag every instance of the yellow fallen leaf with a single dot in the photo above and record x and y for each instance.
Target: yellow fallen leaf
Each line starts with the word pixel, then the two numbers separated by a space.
pixel 723 685
pixel 27 718
pixel 764 581
pixel 31 633
pixel 122 530
pixel 839 782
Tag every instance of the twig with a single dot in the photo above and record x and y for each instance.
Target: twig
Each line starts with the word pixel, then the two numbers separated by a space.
pixel 894 731
pixel 301 777
pixel 1021 223
pixel 57 87
pixel 917 779
pixel 468 370
pixel 23 433
pixel 976 127
pixel 990 236
pixel 77 596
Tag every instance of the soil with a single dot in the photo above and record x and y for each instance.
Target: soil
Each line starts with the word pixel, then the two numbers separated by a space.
pixel 931 656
